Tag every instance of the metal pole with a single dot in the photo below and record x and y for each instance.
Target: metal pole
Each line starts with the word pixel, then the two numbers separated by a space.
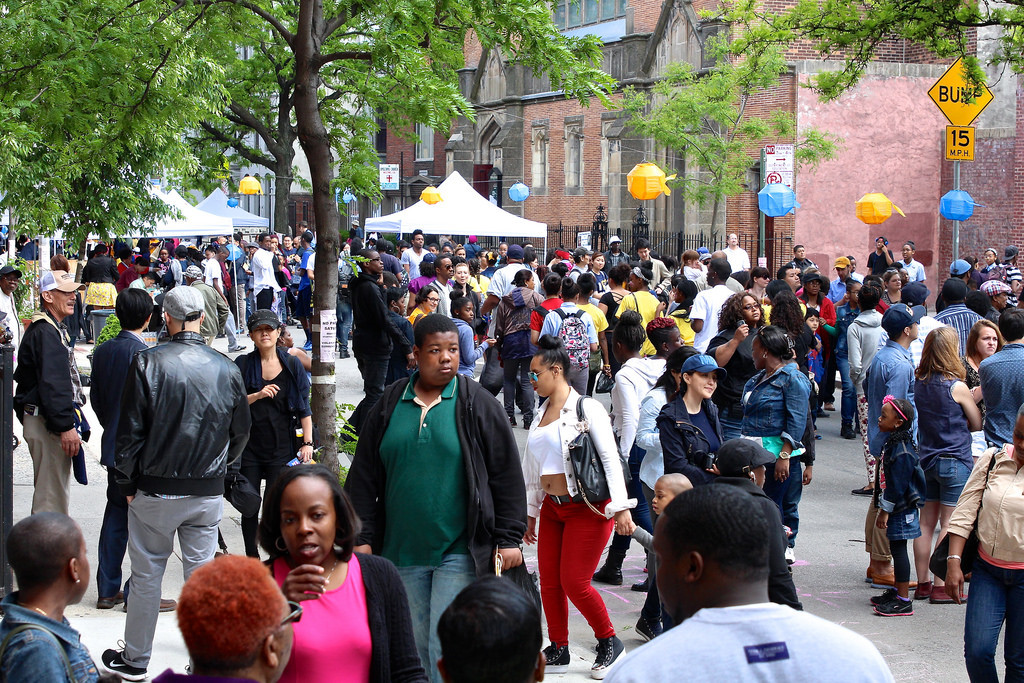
pixel 760 215
pixel 956 224
pixel 6 460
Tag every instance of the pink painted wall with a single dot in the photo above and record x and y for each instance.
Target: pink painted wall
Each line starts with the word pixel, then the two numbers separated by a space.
pixel 892 143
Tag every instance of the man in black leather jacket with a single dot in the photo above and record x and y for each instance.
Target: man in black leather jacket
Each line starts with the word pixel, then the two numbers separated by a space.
pixel 184 422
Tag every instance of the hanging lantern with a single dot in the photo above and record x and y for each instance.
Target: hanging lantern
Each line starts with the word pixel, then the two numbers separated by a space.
pixel 430 195
pixel 874 208
pixel 250 185
pixel 518 192
pixel 348 197
pixel 232 202
pixel 957 205
pixel 776 199
pixel 647 181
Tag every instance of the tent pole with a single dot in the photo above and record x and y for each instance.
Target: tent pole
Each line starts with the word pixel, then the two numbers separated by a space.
pixel 545 256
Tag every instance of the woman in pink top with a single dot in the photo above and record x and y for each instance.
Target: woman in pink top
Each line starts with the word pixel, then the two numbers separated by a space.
pixel 355 625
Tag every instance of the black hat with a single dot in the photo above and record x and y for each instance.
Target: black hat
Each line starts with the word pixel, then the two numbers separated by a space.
pixel 737 457
pixel 914 294
pixel 7 270
pixel 263 317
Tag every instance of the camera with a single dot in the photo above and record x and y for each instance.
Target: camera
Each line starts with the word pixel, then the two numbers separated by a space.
pixel 704 460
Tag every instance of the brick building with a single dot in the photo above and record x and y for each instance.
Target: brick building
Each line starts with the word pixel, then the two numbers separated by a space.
pixel 575 158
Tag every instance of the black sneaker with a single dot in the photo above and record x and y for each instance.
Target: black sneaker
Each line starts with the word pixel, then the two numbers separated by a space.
pixel 888 596
pixel 556 659
pixel 895 608
pixel 609 574
pixel 608 651
pixel 113 661
pixel 648 630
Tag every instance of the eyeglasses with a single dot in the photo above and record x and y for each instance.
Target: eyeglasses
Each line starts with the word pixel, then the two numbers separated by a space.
pixel 434 299
pixel 751 307
pixel 294 616
pixel 534 376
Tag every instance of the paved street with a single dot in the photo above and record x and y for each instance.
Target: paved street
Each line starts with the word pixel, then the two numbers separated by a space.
pixel 829 570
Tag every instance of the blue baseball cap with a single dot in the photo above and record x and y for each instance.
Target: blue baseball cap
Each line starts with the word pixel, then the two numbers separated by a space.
pixel 959 268
pixel 703 363
pixel 900 316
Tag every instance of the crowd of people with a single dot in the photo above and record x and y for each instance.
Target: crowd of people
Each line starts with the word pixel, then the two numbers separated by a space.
pixel 715 374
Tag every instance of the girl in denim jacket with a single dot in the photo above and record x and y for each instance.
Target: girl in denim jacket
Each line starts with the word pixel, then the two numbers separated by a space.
pixel 903 494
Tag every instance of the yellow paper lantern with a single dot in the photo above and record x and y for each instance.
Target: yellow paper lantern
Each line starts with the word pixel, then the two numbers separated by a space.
pixel 874 208
pixel 430 195
pixel 647 181
pixel 250 185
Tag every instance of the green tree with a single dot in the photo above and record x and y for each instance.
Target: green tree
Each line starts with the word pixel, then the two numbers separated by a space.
pixel 704 116
pixel 852 32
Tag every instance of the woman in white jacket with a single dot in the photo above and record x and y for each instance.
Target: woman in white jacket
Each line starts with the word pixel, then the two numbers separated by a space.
pixel 570 532
pixel 634 379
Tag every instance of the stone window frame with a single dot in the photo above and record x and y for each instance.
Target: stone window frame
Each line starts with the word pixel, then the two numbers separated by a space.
pixel 424 143
pixel 540 164
pixel 574 138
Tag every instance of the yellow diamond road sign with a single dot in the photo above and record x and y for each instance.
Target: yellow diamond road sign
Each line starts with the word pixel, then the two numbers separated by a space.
pixel 958 101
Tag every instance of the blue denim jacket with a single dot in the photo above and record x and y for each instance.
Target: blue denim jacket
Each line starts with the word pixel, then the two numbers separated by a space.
pixel 777 406
pixel 32 655
pixel 891 372
pixel 844 316
pixel 904 479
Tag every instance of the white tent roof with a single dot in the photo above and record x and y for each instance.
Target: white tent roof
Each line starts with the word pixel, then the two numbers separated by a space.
pixel 194 221
pixel 462 211
pixel 217 204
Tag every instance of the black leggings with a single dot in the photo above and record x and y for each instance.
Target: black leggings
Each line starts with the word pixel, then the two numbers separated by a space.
pixel 900 560
pixel 256 472
pixel 265 299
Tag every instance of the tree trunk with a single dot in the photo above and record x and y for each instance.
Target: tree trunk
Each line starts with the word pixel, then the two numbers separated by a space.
pixel 315 143
pixel 282 190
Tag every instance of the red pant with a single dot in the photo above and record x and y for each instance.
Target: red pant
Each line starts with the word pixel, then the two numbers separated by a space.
pixel 571 538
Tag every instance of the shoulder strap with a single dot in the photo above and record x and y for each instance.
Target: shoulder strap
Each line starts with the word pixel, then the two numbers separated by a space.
pixel 38 627
pixel 561 314
pixel 580 415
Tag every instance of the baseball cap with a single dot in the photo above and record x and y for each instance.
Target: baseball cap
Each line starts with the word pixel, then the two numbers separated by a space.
pixel 811 276
pixel 995 287
pixel 1009 252
pixel 59 279
pixel 429 257
pixel 560 253
pixel 959 268
pixel 915 294
pixel 703 250
pixel 515 251
pixel 194 272
pixel 613 239
pixel 737 457
pixel 183 303
pixel 703 363
pixel 896 318
pixel 7 270
pixel 704 255
pixel 842 262
pixel 263 317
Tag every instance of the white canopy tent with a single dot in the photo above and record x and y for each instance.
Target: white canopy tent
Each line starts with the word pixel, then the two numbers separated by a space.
pixel 217 204
pixel 462 211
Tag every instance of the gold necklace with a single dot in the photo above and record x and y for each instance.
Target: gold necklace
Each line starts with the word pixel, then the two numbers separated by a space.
pixel 37 610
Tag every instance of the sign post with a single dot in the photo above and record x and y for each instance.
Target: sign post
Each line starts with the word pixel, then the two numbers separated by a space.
pixel 777 166
pixel 961 103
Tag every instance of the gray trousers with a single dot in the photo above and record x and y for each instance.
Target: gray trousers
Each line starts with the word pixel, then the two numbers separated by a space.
pixel 152 524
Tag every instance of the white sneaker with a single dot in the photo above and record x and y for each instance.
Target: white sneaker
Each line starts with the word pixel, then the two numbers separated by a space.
pixel 790 556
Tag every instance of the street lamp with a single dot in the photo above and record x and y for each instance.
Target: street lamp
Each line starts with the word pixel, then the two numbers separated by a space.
pixel 250 185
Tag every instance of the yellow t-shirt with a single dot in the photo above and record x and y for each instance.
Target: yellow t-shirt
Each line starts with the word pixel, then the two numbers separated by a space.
pixel 415 316
pixel 480 286
pixel 600 321
pixel 646 304
pixel 686 332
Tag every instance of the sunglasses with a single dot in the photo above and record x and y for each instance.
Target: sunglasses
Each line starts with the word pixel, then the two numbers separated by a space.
pixel 294 616
pixel 534 376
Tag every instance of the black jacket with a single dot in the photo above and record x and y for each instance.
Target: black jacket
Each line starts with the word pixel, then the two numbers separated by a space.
pixel 781 590
pixel 682 443
pixel 904 479
pixel 375 334
pixel 496 514
pixel 394 656
pixel 43 377
pixel 110 364
pixel 100 268
pixel 184 420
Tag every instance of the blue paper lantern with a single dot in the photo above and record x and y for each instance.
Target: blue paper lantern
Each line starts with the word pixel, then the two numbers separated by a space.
pixel 776 199
pixel 957 205
pixel 518 192
pixel 232 202
pixel 348 197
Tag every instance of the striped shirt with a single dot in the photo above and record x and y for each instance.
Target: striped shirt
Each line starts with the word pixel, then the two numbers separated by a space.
pixel 961 319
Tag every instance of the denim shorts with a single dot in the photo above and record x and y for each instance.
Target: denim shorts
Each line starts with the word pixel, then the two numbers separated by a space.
pixel 945 480
pixel 904 526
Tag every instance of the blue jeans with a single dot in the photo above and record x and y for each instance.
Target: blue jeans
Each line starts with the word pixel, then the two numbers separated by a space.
pixel 849 402
pixel 113 539
pixel 730 427
pixel 786 495
pixel 344 311
pixel 996 595
pixel 641 514
pixel 430 591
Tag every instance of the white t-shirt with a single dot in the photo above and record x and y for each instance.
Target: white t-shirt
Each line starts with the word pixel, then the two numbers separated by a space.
pixel 738 258
pixel 263 271
pixel 706 307
pixel 412 259
pixel 211 271
pixel 501 281
pixel 762 642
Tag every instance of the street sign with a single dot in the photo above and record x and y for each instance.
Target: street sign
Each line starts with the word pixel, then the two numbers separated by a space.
pixel 959 143
pixel 778 164
pixel 952 95
pixel 389 176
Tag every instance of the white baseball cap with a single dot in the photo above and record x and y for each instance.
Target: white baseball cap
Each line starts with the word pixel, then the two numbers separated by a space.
pixel 59 279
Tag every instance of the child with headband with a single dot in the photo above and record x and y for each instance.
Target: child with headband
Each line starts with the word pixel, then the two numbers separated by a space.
pixel 903 493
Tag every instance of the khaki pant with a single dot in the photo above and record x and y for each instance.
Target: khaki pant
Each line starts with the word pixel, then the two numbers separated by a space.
pixel 51 467
pixel 876 543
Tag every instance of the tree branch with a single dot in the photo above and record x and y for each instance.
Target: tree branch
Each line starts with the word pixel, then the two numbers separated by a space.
pixel 321 60
pixel 281 29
